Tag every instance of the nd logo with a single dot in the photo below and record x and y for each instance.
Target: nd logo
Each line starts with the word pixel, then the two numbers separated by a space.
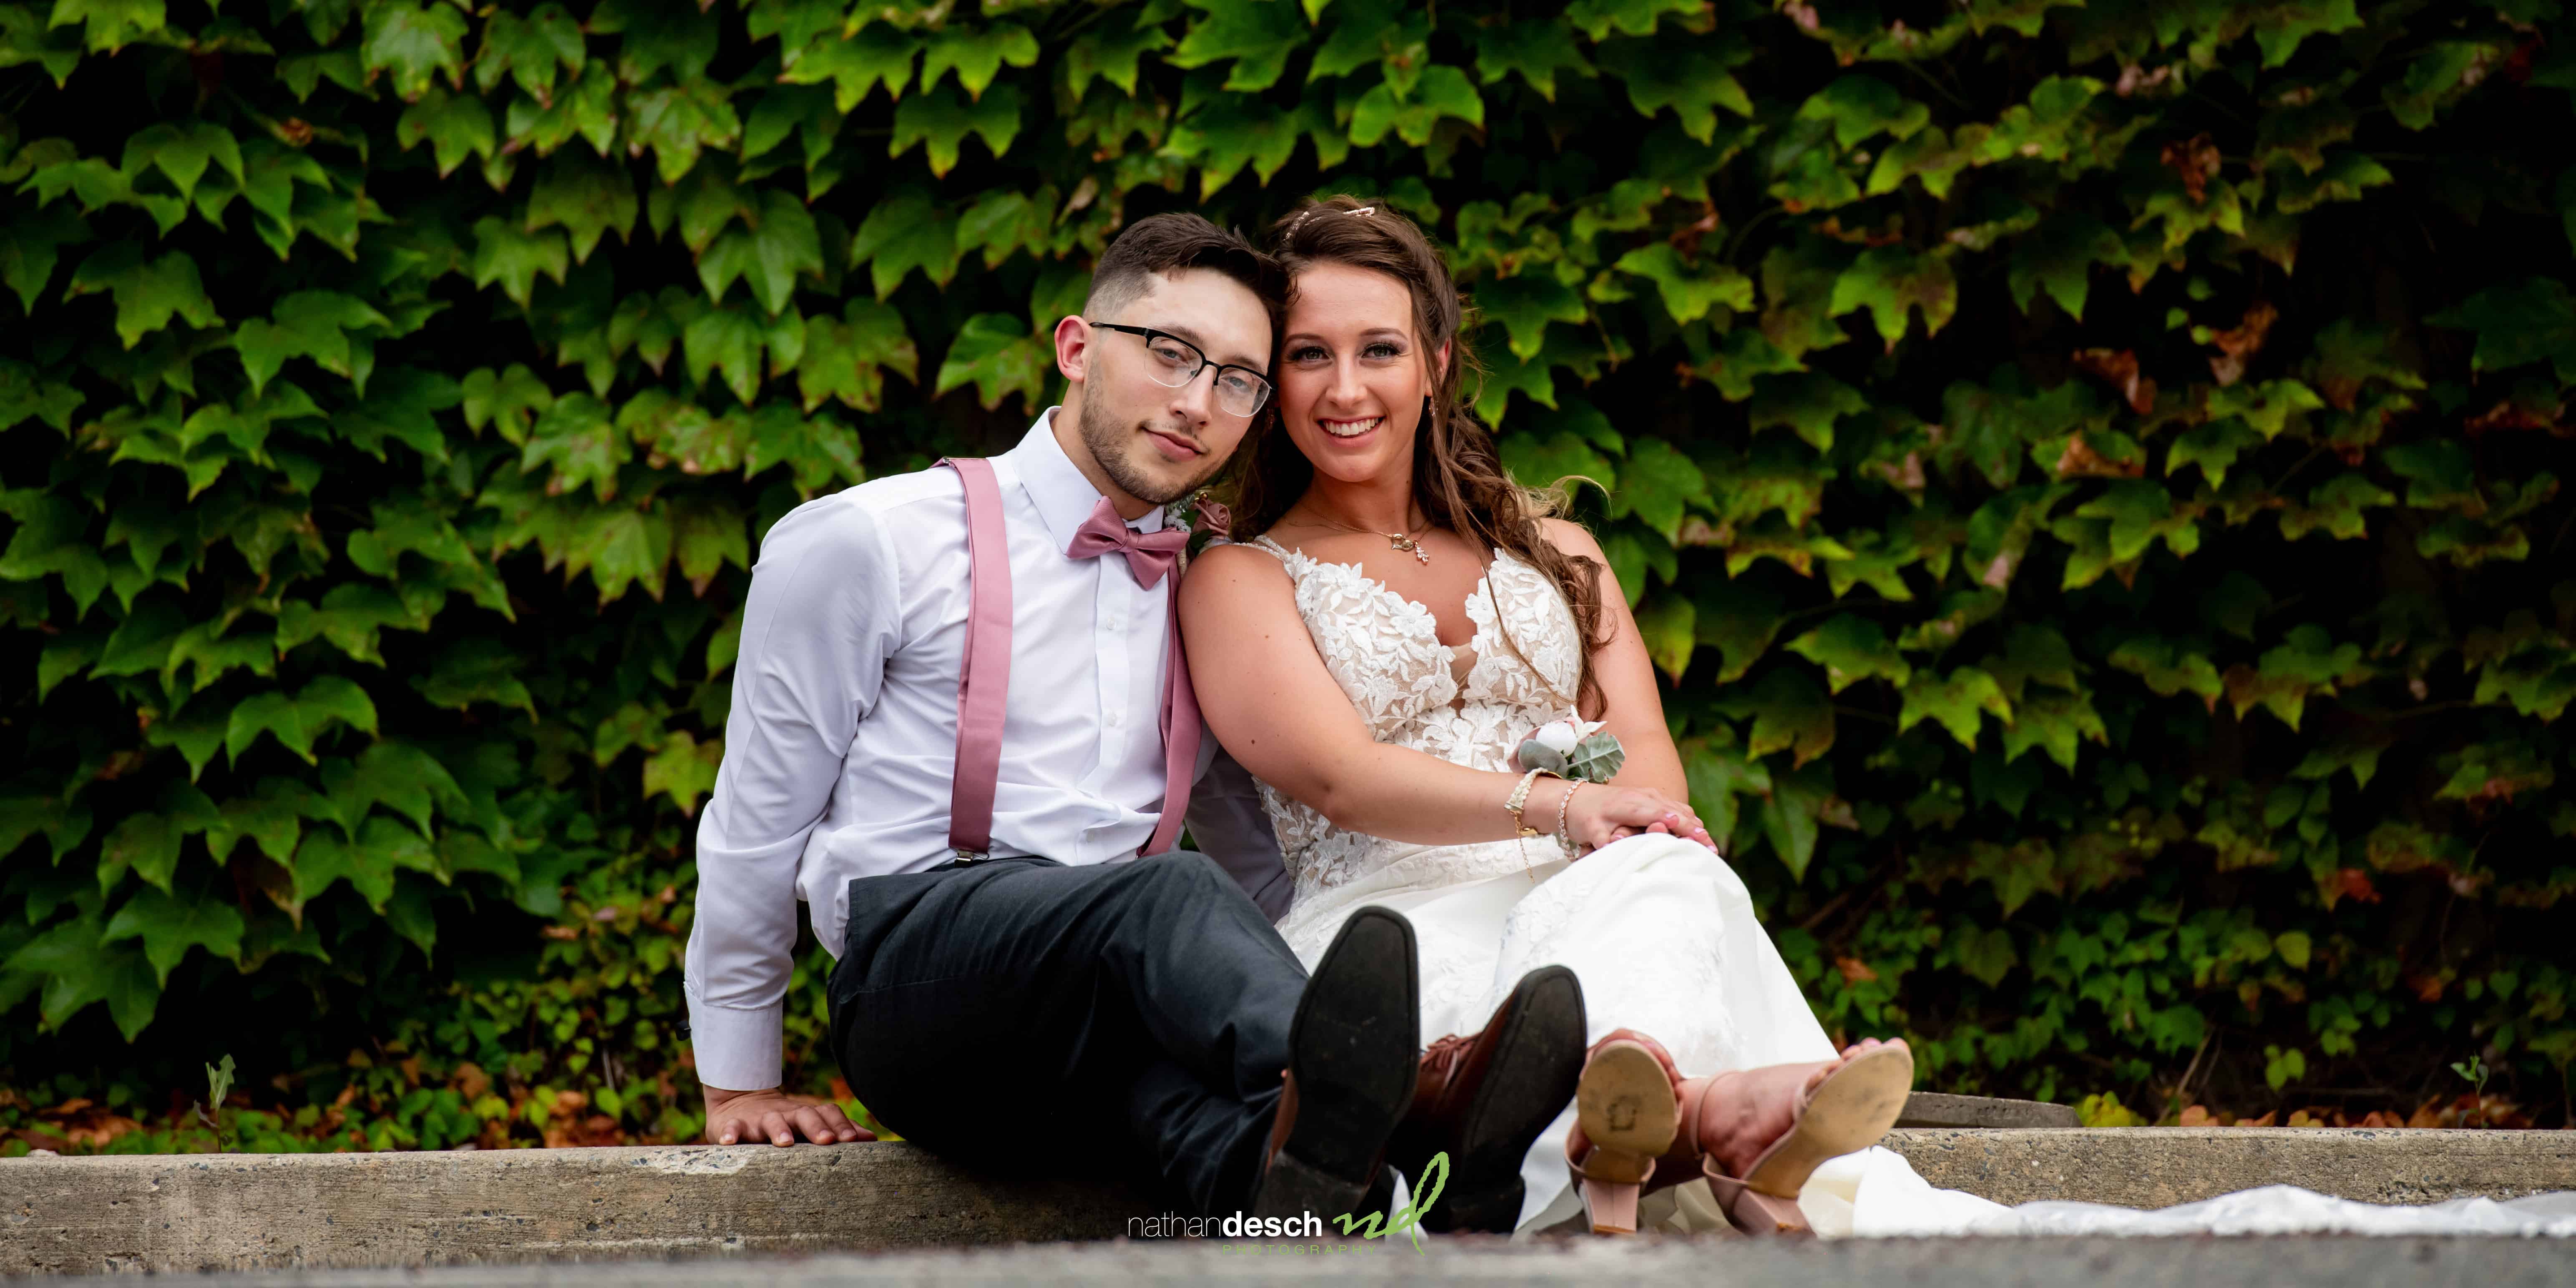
pixel 1426 1189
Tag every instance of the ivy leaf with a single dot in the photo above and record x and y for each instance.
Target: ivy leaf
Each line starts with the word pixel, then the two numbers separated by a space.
pixel 997 353
pixel 2444 72
pixel 586 109
pixel 683 770
pixel 1667 625
pixel 1889 281
pixel 1689 79
pixel 1443 93
pixel 1739 619
pixel 977 55
pixel 2533 321
pixel 25 38
pixel 295 722
pixel 1224 135
pixel 1792 817
pixel 413 42
pixel 1258 35
pixel 2053 722
pixel 1535 48
pixel 820 449
pixel 847 358
pixel 369 863
pixel 476 670
pixel 876 55
pixel 170 926
pixel 1719 775
pixel 2336 509
pixel 1688 293
pixel 728 340
pixel 309 324
pixel 781 244
pixel 1860 106
pixel 677 121
pixel 1852 649
pixel 272 819
pixel 1789 714
pixel 2059 259
pixel 1955 702
pixel 2168 667
pixel 183 154
pixel 1661 481
pixel 1598 18
pixel 78 971
pixel 1536 462
pixel 2343 177
pixel 456 126
pixel 507 401
pixel 528 49
pixel 577 438
pixel 941 122
pixel 1525 304
pixel 507 253
pixel 147 295
pixel 587 199
pixel 1111 57
pixel 349 617
pixel 902 233
pixel 1806 404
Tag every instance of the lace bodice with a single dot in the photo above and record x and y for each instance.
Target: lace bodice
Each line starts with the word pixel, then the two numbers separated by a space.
pixel 1385 652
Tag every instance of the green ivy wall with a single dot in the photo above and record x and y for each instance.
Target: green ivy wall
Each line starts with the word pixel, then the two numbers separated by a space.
pixel 2087 471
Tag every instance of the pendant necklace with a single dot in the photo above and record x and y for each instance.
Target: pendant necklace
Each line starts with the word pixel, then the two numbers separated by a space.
pixel 1394 540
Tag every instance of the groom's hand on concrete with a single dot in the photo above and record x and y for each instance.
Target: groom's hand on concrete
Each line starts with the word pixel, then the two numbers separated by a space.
pixel 776 1117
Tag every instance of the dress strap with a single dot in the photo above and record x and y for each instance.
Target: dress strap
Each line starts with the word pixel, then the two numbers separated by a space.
pixel 1285 554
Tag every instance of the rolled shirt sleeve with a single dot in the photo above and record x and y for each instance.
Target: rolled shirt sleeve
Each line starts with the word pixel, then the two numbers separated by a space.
pixel 822 616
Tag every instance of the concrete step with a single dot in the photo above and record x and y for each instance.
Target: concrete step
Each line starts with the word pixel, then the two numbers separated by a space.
pixel 211 1212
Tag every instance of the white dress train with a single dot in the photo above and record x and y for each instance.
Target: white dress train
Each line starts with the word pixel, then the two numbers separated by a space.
pixel 1660 932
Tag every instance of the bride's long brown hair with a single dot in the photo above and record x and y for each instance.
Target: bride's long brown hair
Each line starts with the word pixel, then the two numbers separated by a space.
pixel 1458 479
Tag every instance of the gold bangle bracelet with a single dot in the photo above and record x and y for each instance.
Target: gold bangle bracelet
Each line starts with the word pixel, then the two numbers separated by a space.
pixel 1519 800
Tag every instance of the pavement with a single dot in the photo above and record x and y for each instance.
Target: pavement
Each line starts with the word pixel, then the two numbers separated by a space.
pixel 2291 1262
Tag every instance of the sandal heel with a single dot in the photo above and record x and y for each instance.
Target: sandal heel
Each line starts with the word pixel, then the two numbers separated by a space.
pixel 1756 1213
pixel 1626 1113
pixel 1611 1206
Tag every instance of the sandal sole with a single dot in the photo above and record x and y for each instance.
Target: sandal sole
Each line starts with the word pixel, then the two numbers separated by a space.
pixel 1625 1102
pixel 1851 1110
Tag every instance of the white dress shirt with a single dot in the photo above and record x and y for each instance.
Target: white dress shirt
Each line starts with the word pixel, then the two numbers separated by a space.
pixel 841 746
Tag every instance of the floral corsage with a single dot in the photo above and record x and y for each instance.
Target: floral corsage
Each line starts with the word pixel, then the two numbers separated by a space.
pixel 1205 518
pixel 1572 749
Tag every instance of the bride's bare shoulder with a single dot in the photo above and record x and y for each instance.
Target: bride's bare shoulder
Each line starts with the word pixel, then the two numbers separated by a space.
pixel 1570 537
pixel 1235 577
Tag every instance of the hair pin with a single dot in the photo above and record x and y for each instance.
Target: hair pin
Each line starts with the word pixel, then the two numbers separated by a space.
pixel 1365 210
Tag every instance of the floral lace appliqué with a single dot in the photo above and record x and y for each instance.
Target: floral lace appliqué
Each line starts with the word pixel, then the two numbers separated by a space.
pixel 1385 652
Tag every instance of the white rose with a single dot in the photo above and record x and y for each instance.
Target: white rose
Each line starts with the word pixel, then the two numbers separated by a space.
pixel 1557 736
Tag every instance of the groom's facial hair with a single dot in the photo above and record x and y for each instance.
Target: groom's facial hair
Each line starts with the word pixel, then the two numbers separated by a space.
pixel 1111 444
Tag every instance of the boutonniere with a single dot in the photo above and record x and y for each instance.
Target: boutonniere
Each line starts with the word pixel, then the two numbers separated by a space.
pixel 1574 749
pixel 1204 517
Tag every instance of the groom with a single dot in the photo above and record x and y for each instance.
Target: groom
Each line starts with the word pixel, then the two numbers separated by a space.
pixel 962 734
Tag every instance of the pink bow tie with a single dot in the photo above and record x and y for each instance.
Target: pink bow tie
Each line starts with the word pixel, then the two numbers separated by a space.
pixel 1149 554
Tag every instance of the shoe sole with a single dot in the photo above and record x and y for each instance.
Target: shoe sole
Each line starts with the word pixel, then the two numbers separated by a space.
pixel 1353 1050
pixel 1853 1108
pixel 1533 1075
pixel 1625 1102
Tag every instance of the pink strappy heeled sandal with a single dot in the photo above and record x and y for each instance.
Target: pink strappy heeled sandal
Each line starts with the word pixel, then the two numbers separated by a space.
pixel 1850 1110
pixel 1625 1118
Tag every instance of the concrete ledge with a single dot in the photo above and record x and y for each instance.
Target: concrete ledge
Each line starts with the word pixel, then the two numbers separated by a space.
pixel 245 1212
pixel 1936 1109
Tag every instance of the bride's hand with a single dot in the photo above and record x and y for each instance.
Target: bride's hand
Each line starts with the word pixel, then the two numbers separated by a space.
pixel 1600 814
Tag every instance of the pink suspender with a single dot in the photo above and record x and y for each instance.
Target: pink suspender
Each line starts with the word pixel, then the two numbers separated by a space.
pixel 984 682
pixel 984 677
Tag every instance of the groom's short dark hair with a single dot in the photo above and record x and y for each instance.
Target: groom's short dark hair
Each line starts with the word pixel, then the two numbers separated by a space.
pixel 1176 240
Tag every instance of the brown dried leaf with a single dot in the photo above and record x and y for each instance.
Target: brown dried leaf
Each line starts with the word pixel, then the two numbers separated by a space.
pixel 2134 78
pixel 2119 369
pixel 2242 342
pixel 2079 460
pixel 2195 162
pixel 1855 971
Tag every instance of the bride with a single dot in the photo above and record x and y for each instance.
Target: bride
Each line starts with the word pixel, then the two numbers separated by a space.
pixel 1396 618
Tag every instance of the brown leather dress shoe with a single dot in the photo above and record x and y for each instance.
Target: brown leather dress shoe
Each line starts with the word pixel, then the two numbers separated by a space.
pixel 1481 1099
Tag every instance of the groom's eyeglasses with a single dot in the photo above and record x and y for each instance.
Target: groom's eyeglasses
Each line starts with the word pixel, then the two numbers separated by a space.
pixel 1240 391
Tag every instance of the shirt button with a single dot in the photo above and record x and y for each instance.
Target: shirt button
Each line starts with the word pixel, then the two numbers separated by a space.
pixel 1114 621
pixel 1115 719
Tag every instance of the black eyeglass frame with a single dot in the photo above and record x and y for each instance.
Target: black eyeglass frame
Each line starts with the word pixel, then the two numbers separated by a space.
pixel 1150 335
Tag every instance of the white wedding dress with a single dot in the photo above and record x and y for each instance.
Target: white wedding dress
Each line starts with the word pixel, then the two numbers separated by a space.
pixel 1660 931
